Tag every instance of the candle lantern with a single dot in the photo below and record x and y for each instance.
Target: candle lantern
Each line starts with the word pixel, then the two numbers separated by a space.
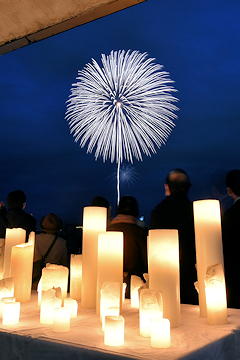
pixel 216 299
pixel 164 271
pixel 55 276
pixel 124 291
pixel 111 311
pixel 2 302
pixel 21 271
pixel 11 313
pixel 6 287
pixel 61 319
pixel 136 283
pixel 72 305
pixel 150 307
pixel 160 333
pixel 94 222
pixel 110 264
pixel 13 237
pixel 76 276
pixel 109 296
pixel 208 239
pixel 47 309
pixel 114 330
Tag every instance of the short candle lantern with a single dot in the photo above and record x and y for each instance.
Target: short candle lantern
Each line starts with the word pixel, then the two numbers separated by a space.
pixel 61 319
pixel 13 237
pixel 11 313
pixel 114 330
pixel 72 305
pixel 110 263
pixel 109 296
pixel 55 276
pixel 216 299
pixel 21 271
pixel 76 276
pixel 160 333
pixel 112 311
pixel 164 271
pixel 47 310
pixel 150 307
pixel 136 283
pixel 2 302
pixel 94 222
pixel 6 287
pixel 208 239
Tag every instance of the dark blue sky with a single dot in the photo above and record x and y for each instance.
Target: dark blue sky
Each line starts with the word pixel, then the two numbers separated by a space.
pixel 199 45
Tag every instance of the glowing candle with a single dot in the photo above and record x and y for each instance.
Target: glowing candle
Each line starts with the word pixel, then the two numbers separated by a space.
pixel 21 271
pixel 2 302
pixel 110 296
pixel 94 222
pixel 110 263
pixel 208 239
pixel 6 287
pixel 150 307
pixel 216 299
pixel 47 310
pixel 111 311
pixel 114 331
pixel 136 283
pixel 13 237
pixel 61 319
pixel 11 313
pixel 124 291
pixel 72 305
pixel 160 333
pixel 76 276
pixel 164 271
pixel 55 276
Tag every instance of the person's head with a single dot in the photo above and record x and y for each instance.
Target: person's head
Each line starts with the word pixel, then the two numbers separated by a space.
pixel 233 182
pixel 128 206
pixel 51 223
pixel 16 200
pixel 177 180
pixel 100 201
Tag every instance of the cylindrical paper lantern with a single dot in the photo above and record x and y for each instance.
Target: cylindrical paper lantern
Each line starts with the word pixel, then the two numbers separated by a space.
pixel 110 263
pixel 163 269
pixel 13 237
pixel 110 296
pixel 150 307
pixel 136 283
pixel 72 305
pixel 55 276
pixel 114 330
pixel 47 310
pixel 11 313
pixel 21 271
pixel 2 302
pixel 6 287
pixel 208 239
pixel 111 311
pixel 61 319
pixel 76 276
pixel 160 333
pixel 94 222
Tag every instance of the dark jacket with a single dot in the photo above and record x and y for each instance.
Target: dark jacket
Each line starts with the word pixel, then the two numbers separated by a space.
pixel 18 218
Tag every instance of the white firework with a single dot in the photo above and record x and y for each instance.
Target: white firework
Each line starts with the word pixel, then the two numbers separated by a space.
pixel 123 109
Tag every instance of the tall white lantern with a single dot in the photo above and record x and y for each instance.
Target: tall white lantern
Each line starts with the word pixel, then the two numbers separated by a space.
pixel 110 263
pixel 76 276
pixel 13 237
pixel 94 222
pixel 208 239
pixel 163 269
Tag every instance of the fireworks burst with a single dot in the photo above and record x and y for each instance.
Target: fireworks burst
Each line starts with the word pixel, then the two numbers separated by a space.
pixel 122 110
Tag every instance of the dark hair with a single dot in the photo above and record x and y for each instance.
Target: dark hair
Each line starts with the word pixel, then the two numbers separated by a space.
pixel 233 181
pixel 16 199
pixel 178 180
pixel 100 201
pixel 128 206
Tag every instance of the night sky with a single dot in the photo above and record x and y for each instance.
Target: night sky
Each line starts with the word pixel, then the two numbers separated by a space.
pixel 198 43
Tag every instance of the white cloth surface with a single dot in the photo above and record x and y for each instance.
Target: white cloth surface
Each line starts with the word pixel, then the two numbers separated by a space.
pixel 193 339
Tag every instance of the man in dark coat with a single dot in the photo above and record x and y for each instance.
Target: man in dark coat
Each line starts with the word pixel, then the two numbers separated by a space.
pixel 176 212
pixel 231 239
pixel 16 216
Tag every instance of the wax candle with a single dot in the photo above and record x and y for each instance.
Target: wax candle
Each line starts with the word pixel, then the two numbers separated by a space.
pixel 111 311
pixel 160 333
pixel 150 307
pixel 11 313
pixel 61 319
pixel 72 305
pixel 216 299
pixel 47 310
pixel 114 330
pixel 164 271
pixel 21 271
pixel 94 222
pixel 136 283
pixel 6 287
pixel 124 291
pixel 208 239
pixel 110 263
pixel 13 237
pixel 110 296
pixel 55 276
pixel 76 276
pixel 2 302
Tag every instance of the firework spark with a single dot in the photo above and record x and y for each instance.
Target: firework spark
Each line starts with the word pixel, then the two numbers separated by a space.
pixel 124 109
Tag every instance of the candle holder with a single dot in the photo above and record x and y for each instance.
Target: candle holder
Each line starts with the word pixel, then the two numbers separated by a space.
pixel 151 306
pixel 160 333
pixel 110 296
pixel 114 330
pixel 72 305
pixel 61 319
pixel 11 313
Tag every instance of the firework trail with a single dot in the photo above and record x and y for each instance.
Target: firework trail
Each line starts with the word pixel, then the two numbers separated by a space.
pixel 122 110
